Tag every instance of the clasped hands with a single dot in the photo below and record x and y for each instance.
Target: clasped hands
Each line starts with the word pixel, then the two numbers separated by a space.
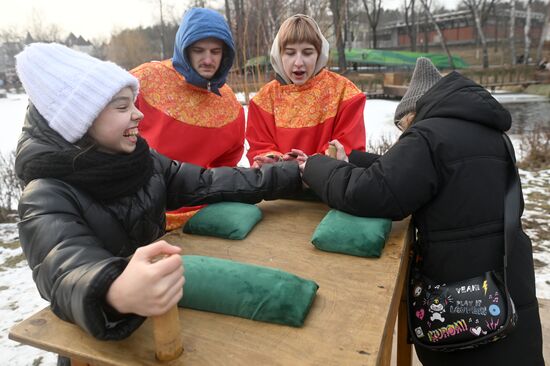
pixel 295 154
pixel 299 156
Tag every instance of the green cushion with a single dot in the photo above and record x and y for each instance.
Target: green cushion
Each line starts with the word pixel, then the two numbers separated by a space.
pixel 245 290
pixel 344 233
pixel 229 220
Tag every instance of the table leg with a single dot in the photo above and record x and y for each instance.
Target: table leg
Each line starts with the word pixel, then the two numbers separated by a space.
pixel 398 314
pixel 168 337
pixel 404 349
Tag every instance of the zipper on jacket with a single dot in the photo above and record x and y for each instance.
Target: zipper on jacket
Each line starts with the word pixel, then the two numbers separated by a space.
pixel 208 87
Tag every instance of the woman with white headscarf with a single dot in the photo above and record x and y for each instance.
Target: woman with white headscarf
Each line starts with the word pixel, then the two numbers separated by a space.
pixel 307 105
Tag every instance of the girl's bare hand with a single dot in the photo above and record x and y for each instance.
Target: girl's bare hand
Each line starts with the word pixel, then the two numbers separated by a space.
pixel 149 286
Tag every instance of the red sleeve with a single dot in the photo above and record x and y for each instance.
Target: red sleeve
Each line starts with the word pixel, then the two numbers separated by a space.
pixel 260 133
pixel 349 125
pixel 232 157
pixel 234 153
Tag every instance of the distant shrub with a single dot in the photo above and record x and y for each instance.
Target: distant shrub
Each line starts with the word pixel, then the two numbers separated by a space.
pixel 10 188
pixel 381 145
pixel 535 148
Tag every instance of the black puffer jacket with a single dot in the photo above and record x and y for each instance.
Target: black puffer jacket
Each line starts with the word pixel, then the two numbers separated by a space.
pixel 77 246
pixel 449 171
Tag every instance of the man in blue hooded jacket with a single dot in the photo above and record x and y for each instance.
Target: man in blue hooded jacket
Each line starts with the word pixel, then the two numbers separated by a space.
pixel 191 115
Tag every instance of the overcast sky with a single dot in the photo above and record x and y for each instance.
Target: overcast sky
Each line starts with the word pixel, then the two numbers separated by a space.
pixel 97 19
pixel 91 18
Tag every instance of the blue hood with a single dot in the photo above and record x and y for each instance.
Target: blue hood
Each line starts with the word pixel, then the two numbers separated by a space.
pixel 197 24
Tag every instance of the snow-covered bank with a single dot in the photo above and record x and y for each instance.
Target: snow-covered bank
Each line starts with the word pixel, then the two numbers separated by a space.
pixel 13 110
pixel 509 98
pixel 20 299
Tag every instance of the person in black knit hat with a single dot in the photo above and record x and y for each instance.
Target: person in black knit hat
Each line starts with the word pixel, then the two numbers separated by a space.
pixel 95 194
pixel 449 170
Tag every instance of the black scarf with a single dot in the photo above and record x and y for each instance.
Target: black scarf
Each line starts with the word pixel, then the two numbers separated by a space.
pixel 104 176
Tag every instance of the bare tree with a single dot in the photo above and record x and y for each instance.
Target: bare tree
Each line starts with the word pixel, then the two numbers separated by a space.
pixel 373 14
pixel 496 17
pixel 244 53
pixel 426 33
pixel 526 34
pixel 131 48
pixel 544 33
pixel 336 6
pixel 162 29
pixel 171 16
pixel 41 31
pixel 278 11
pixel 480 11
pixel 9 34
pixel 228 14
pixel 162 45
pixel 410 22
pixel 236 21
pixel 318 11
pixel 512 34
pixel 440 34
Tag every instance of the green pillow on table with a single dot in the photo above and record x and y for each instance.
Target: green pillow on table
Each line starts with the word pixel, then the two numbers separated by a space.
pixel 229 220
pixel 344 233
pixel 245 290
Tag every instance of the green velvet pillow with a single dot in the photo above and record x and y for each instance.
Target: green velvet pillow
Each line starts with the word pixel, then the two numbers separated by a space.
pixel 344 233
pixel 229 220
pixel 245 290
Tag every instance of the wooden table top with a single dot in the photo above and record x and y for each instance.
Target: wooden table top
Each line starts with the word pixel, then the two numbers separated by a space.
pixel 351 319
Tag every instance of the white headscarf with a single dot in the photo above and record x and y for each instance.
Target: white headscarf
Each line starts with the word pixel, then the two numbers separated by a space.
pixel 277 62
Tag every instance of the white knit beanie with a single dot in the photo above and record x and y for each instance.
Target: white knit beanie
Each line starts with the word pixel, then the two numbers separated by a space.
pixel 425 75
pixel 69 88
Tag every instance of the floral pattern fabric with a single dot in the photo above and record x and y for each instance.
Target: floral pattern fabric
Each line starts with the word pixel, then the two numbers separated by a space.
pixel 306 117
pixel 164 88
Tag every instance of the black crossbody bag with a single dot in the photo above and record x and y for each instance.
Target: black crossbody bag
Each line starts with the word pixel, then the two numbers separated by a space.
pixel 472 312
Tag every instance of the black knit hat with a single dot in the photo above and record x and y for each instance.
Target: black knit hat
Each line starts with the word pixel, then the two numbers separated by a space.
pixel 425 75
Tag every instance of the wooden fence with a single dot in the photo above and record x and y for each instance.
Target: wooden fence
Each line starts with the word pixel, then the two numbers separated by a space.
pixel 390 84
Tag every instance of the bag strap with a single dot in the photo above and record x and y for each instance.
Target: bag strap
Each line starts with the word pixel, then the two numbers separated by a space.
pixel 512 205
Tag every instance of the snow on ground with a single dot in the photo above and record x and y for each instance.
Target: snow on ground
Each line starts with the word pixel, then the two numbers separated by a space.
pixel 536 193
pixel 19 300
pixel 19 297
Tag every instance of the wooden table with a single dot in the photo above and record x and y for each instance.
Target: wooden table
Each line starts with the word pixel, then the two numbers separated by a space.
pixel 351 321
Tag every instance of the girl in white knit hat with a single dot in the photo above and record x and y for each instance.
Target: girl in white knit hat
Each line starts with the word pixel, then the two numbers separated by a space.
pixel 95 194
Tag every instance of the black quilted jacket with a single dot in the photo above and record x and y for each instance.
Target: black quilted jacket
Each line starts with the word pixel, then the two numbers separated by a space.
pixel 77 246
pixel 449 171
